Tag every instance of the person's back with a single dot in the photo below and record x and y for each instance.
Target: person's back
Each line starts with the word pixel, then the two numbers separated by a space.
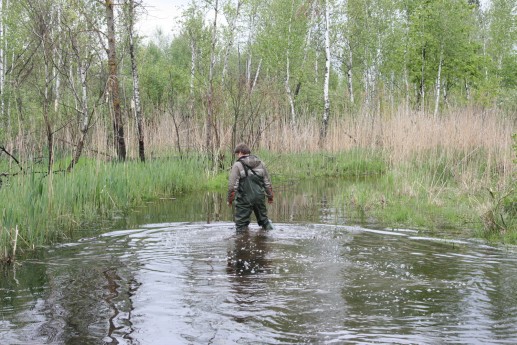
pixel 248 185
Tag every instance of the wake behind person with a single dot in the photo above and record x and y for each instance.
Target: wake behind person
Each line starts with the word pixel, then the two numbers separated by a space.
pixel 249 185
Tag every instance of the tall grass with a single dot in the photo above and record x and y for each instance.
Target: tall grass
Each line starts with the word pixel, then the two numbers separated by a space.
pixel 45 208
pixel 427 163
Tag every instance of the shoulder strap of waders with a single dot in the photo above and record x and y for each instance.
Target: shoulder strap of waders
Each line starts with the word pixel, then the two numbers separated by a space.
pixel 246 168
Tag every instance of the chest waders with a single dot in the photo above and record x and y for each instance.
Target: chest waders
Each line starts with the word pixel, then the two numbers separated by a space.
pixel 250 198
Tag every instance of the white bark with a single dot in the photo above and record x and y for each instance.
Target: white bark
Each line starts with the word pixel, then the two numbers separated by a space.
pixel 438 84
pixel 326 111
pixel 83 110
pixel 287 67
pixel 349 74
pixel 231 29
pixel 2 68
pixel 136 84
pixel 193 57
pixel 60 61
pixel 308 37
pixel 210 128
pixel 82 72
pixel 256 76
pixel 422 84
pixel 113 82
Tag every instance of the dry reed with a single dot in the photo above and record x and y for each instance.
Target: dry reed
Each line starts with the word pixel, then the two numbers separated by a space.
pixel 457 137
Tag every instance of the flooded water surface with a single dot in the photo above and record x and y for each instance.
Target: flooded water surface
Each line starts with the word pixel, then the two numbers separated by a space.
pixel 180 275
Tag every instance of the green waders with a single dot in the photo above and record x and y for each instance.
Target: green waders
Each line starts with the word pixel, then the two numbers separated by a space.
pixel 251 198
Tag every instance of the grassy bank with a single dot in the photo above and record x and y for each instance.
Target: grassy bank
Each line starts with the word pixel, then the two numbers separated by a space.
pixel 449 172
pixel 45 209
pixel 39 209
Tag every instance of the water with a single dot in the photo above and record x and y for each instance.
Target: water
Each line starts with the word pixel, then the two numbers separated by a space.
pixel 170 274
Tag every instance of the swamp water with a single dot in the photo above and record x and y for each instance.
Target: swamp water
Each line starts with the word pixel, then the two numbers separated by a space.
pixel 176 272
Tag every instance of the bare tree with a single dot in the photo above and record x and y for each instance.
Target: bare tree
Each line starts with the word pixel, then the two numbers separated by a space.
pixel 136 84
pixel 210 119
pixel 83 65
pixel 232 20
pixel 113 83
pixel 40 13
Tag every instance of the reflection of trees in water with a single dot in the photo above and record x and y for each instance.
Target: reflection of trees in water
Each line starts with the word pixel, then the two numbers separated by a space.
pixel 305 201
pixel 247 258
pixel 248 253
pixel 88 298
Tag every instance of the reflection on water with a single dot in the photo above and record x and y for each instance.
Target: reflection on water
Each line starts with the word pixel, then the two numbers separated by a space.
pixel 182 275
pixel 248 254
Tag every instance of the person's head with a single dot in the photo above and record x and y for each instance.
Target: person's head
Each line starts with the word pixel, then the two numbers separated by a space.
pixel 242 149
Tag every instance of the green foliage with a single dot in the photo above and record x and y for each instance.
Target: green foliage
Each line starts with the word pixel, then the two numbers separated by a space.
pixel 353 163
pixel 45 208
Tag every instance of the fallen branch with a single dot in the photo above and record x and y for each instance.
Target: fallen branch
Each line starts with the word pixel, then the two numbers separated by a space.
pixel 3 149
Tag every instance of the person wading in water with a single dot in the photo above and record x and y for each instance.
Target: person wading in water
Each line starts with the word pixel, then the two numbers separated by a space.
pixel 249 185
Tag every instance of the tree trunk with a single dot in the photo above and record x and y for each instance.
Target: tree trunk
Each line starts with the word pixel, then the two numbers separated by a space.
pixel 2 67
pixel 82 72
pixel 438 84
pixel 326 99
pixel 59 61
pixel 231 28
pixel 421 98
pixel 349 74
pixel 136 84
pixel 193 58
pixel 46 99
pixel 287 69
pixel 113 85
pixel 210 127
pixel 257 72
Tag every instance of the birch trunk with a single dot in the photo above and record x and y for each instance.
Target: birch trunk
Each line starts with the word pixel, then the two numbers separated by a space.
pixel 2 68
pixel 256 76
pixel 46 104
pixel 422 82
pixel 230 41
pixel 193 58
pixel 438 84
pixel 210 111
pixel 136 84
pixel 308 39
pixel 113 84
pixel 84 112
pixel 349 73
pixel 59 59
pixel 288 67
pixel 326 99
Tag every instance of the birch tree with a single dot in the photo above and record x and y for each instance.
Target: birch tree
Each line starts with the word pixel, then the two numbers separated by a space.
pixel 210 119
pixel 232 16
pixel 500 46
pixel 196 34
pixel 326 99
pixel 41 20
pixel 113 83
pixel 81 96
pixel 2 65
pixel 136 82
pixel 279 43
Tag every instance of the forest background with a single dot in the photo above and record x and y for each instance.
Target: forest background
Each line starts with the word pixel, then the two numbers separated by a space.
pixel 422 92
